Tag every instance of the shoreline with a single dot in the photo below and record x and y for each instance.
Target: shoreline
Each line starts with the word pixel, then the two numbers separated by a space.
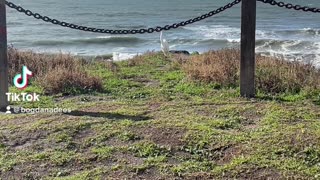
pixel 313 59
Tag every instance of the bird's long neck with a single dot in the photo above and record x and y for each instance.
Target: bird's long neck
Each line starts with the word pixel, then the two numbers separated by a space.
pixel 161 38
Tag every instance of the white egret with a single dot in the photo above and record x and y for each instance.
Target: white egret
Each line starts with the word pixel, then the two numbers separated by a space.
pixel 115 56
pixel 164 45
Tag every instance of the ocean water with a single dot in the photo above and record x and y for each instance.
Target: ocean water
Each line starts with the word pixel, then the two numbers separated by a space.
pixel 295 35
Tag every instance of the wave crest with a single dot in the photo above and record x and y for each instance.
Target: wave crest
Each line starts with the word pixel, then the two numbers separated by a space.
pixel 89 41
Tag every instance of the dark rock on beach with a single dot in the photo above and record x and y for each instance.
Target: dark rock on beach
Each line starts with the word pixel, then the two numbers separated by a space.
pixel 180 52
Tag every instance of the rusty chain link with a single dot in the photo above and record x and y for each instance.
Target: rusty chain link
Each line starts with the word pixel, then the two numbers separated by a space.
pixel 129 31
pixel 291 6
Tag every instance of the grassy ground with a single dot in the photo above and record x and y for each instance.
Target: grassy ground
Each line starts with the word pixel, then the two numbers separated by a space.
pixel 151 122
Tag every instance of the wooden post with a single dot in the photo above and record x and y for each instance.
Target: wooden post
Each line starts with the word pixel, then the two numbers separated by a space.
pixel 248 38
pixel 3 57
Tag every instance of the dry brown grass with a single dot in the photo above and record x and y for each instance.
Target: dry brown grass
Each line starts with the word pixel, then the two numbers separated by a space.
pixel 272 75
pixel 57 73
pixel 66 81
pixel 137 61
pixel 40 64
pixel 214 66
pixel 278 75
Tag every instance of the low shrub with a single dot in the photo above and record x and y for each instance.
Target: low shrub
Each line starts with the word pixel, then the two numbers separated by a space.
pixel 57 73
pixel 273 75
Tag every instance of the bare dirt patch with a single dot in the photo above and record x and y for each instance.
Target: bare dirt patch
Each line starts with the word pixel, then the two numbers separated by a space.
pixel 166 136
pixel 100 107
pixel 82 135
pixel 228 154
pixel 126 158
pixel 24 140
pixel 198 176
pixel 147 82
pixel 150 173
pixel 154 106
pixel 114 141
pixel 258 173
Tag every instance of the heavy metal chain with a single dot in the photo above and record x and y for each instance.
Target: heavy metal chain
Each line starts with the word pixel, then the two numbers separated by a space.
pixel 130 31
pixel 291 6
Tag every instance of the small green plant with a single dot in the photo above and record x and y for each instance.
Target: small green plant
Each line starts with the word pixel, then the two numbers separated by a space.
pixel 61 158
pixel 61 137
pixel 192 166
pixel 148 149
pixel 104 152
pixel 128 136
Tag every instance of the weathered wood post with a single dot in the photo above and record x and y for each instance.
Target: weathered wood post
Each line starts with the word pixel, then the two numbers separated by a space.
pixel 3 57
pixel 248 38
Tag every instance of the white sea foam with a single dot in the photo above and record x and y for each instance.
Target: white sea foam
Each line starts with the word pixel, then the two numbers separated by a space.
pixel 231 34
pixel 216 32
pixel 104 37
pixel 317 54
pixel 234 40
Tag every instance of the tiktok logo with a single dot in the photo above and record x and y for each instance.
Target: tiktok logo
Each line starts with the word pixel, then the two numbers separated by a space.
pixel 21 80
